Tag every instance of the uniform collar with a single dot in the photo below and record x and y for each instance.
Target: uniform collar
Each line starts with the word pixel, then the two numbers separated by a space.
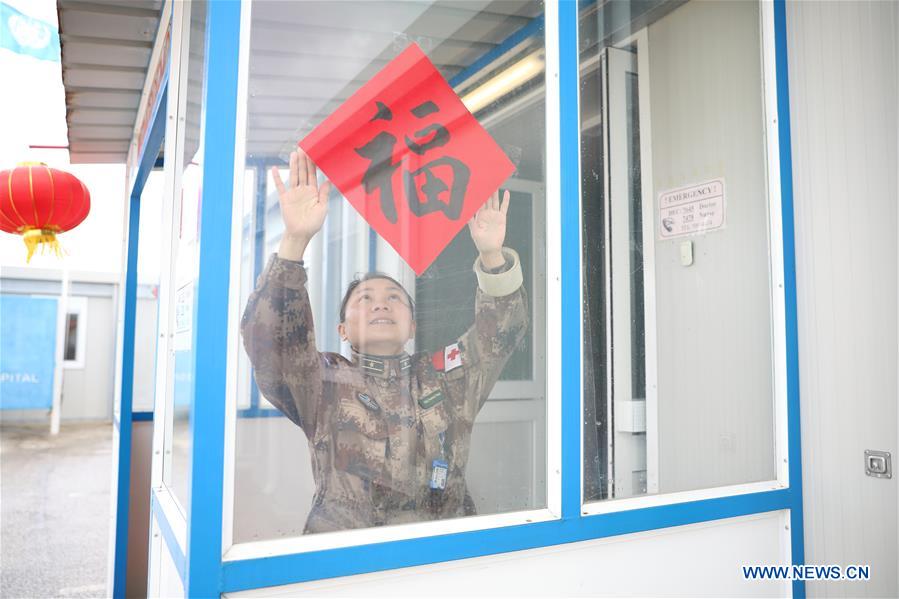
pixel 382 366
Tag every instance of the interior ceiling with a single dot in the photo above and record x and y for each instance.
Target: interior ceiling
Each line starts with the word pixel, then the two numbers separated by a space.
pixel 306 58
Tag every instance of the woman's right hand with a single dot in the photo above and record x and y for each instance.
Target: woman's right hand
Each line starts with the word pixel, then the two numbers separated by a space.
pixel 303 203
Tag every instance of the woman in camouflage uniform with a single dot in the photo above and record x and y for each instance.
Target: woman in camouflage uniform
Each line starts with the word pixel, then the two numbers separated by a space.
pixel 389 433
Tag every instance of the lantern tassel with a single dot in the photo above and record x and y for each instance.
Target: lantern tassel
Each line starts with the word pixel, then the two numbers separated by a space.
pixel 41 237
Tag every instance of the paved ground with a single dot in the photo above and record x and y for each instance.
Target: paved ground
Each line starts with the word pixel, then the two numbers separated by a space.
pixel 54 505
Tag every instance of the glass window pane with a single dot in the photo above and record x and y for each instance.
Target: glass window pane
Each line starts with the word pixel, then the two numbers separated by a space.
pixel 71 343
pixel 146 319
pixel 678 359
pixel 186 224
pixel 424 398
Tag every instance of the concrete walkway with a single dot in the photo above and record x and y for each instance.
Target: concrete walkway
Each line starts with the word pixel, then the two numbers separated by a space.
pixel 54 505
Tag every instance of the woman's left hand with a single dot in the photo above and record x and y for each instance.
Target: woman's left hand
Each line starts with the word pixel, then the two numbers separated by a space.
pixel 488 229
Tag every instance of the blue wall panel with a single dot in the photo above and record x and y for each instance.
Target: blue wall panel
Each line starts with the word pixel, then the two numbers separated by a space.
pixel 27 352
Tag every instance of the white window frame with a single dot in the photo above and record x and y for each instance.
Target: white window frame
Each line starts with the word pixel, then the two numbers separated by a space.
pixel 175 513
pixel 76 305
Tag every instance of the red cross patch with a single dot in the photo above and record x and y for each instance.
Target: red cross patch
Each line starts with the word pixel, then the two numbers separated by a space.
pixel 452 357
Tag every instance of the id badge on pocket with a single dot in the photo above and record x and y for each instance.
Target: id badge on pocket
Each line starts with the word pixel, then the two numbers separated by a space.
pixel 439 470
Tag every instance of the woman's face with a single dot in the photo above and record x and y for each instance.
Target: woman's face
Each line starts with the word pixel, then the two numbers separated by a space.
pixel 378 318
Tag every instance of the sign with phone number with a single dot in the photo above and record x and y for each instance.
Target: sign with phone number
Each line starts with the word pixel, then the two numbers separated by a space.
pixel 691 210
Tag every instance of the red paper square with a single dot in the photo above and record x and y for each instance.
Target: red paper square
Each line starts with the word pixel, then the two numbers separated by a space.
pixel 409 157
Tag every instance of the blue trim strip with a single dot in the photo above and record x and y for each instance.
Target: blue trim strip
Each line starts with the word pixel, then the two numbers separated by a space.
pixel 569 119
pixel 142 417
pixel 210 332
pixel 160 102
pixel 797 528
pixel 150 151
pixel 535 27
pixel 168 535
pixel 286 569
pixel 123 479
pixel 257 412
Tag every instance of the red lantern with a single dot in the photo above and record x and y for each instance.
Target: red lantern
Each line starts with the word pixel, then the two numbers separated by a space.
pixel 37 202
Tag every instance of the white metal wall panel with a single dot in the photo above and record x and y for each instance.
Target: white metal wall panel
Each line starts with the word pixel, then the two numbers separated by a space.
pixel 87 393
pixel 701 560
pixel 843 105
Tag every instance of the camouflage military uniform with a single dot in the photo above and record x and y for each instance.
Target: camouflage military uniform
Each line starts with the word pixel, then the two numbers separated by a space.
pixel 377 425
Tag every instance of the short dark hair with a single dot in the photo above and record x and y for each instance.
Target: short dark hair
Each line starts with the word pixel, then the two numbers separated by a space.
pixel 361 278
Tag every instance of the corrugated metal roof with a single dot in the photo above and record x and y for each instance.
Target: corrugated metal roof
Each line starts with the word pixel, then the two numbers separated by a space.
pixel 107 44
pixel 106 48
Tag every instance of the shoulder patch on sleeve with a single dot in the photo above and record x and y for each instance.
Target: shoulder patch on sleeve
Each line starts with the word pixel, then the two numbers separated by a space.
pixel 452 357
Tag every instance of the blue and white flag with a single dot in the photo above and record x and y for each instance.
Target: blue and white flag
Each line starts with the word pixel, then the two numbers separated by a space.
pixel 25 35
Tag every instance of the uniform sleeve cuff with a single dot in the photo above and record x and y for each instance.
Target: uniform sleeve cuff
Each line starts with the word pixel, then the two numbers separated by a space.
pixel 287 273
pixel 504 283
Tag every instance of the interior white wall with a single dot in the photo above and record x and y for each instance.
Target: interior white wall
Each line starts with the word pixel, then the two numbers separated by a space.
pixel 701 560
pixel 715 390
pixel 145 331
pixel 843 108
pixel 273 472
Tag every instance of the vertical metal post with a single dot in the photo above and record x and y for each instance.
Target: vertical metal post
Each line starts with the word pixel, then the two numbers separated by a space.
pixel 123 481
pixel 797 529
pixel 210 332
pixel 569 146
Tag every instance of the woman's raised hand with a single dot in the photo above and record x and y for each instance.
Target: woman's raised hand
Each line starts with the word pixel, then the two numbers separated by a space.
pixel 488 229
pixel 304 204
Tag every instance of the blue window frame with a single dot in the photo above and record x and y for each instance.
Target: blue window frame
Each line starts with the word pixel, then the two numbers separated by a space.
pixel 199 561
pixel 124 416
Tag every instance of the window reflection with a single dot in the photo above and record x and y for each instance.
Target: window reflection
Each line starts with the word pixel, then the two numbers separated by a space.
pixel 71 340
pixel 387 398
pixel 678 363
